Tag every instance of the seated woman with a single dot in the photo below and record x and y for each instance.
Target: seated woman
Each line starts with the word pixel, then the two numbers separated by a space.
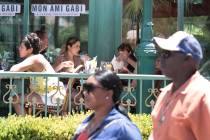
pixel 125 62
pixel 69 61
pixel 35 62
pixel 102 94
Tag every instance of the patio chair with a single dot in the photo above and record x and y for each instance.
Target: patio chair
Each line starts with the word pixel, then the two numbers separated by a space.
pixel 56 108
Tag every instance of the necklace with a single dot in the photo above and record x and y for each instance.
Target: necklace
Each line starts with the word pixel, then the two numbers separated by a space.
pixel 171 97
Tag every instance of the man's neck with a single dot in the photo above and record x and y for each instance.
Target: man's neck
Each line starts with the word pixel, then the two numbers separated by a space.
pixel 180 79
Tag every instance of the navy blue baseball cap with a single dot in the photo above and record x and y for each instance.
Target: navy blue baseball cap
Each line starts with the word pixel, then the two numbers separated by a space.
pixel 183 42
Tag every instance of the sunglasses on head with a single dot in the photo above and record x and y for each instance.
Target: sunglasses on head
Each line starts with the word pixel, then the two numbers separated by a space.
pixel 88 87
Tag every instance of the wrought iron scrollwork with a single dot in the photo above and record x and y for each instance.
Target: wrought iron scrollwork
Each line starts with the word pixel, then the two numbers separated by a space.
pixel 151 99
pixel 128 99
pixel 11 93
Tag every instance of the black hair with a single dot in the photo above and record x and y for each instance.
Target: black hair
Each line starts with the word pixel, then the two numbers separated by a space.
pixel 128 48
pixel 41 34
pixel 32 41
pixel 110 81
pixel 125 46
pixel 71 41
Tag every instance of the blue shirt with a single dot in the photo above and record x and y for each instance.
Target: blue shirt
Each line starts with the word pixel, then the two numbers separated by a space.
pixel 115 126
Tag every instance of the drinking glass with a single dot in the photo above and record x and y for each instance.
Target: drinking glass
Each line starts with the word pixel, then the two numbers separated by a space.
pixel 103 65
pixel 4 64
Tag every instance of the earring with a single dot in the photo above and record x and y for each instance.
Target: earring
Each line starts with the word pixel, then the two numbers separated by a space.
pixel 106 97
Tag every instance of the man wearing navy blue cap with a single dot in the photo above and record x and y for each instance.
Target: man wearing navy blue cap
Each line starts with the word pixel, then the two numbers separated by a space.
pixel 182 110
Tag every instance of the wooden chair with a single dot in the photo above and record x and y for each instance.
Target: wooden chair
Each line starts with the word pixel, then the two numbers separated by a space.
pixel 59 109
pixel 77 99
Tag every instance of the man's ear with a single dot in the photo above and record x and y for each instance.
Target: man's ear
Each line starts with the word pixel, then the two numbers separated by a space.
pixel 188 56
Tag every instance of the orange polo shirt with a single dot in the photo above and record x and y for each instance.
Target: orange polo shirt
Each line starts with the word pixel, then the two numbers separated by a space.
pixel 184 114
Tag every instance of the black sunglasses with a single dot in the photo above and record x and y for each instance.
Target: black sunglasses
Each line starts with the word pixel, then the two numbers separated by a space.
pixel 88 87
pixel 167 54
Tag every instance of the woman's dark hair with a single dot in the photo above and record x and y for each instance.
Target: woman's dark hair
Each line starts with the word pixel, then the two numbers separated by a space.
pixel 32 41
pixel 71 41
pixel 125 46
pixel 110 81
pixel 128 48
pixel 41 34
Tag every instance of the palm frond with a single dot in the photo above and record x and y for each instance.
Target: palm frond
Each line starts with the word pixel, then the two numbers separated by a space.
pixel 134 7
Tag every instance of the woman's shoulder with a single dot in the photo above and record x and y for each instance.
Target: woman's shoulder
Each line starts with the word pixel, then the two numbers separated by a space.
pixel 122 127
pixel 117 116
pixel 34 59
pixel 39 58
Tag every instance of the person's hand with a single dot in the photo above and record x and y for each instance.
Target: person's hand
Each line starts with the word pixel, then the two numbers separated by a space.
pixel 123 70
pixel 78 69
pixel 69 65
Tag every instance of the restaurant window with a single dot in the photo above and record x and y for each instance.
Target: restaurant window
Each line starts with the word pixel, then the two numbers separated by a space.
pixel 59 28
pixel 11 16
pixel 196 22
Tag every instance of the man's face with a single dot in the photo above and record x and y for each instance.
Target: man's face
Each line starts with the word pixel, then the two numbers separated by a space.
pixel 171 62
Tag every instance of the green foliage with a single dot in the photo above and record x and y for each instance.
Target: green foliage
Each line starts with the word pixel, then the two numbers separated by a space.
pixel 64 34
pixel 55 128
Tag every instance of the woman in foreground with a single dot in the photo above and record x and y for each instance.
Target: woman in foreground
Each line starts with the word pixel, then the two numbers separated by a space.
pixel 102 92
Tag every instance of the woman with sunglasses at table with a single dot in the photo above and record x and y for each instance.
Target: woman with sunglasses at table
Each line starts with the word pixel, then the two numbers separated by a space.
pixel 102 94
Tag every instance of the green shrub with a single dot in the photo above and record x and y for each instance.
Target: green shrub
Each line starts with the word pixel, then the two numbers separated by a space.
pixel 54 128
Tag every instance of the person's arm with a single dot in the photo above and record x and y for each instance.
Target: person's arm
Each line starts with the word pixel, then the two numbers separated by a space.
pixel 131 62
pixel 78 69
pixel 127 59
pixel 201 119
pixel 59 64
pixel 56 66
pixel 25 65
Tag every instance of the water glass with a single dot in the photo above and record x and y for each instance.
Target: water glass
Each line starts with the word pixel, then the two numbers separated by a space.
pixel 103 65
pixel 4 65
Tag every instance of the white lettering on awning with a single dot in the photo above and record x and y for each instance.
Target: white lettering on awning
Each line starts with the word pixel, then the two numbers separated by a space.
pixel 9 9
pixel 57 9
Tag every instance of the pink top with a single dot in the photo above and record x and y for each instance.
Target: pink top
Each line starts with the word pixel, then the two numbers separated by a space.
pixel 184 114
pixel 83 136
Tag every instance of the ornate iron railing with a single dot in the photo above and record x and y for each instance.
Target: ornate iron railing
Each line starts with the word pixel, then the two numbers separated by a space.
pixel 20 86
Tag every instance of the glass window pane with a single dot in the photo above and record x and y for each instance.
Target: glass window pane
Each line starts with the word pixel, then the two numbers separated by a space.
pixel 11 30
pixel 59 28
pixel 197 22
